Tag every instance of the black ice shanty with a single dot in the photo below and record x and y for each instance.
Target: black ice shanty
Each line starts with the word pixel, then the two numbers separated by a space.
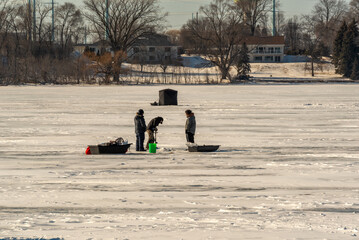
pixel 168 97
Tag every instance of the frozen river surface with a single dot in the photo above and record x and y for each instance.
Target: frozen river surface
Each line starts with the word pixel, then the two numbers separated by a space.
pixel 288 167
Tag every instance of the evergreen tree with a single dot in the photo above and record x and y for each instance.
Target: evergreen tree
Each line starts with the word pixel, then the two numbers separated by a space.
pixel 355 72
pixel 243 66
pixel 338 44
pixel 349 50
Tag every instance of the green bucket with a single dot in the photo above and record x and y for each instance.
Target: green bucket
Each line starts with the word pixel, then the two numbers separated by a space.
pixel 152 147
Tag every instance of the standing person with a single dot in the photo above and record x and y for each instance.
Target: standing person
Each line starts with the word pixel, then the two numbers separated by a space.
pixel 152 128
pixel 190 126
pixel 140 129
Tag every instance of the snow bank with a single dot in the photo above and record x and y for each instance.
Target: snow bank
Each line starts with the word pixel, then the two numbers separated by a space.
pixel 195 62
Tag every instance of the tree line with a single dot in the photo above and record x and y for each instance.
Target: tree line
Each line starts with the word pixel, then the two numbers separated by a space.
pixel 346 50
pixel 224 25
pixel 30 49
pixel 35 49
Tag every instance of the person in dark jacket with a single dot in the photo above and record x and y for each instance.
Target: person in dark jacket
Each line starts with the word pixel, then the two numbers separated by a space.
pixel 140 129
pixel 152 128
pixel 190 127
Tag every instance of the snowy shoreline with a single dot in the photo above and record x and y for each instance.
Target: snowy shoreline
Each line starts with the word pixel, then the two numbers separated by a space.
pixel 261 74
pixel 254 82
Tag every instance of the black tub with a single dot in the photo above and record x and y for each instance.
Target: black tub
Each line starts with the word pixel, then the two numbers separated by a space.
pixel 203 148
pixel 111 149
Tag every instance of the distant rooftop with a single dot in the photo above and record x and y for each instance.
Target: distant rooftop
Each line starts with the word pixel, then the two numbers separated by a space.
pixel 148 39
pixel 276 40
pixel 153 39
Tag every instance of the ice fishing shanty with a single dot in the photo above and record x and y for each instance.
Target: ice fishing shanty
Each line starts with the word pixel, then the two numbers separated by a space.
pixel 168 97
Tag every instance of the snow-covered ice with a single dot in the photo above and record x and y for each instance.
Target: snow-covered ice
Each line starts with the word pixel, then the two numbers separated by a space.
pixel 288 167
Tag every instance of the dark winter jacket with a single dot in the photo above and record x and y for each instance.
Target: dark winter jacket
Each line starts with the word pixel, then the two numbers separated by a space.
pixel 140 124
pixel 153 124
pixel 191 124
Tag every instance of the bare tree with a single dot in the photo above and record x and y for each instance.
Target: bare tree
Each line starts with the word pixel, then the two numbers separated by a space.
pixel 43 27
pixel 4 30
pixel 354 9
pixel 42 45
pixel 354 4
pixel 327 16
pixel 5 14
pixel 254 11
pixel 219 32
pixel 293 35
pixel 26 60
pixel 313 51
pixel 126 21
pixel 15 44
pixel 313 45
pixel 140 56
pixel 23 21
pixel 174 36
pixel 164 58
pixel 189 42
pixel 280 24
pixel 69 20
pixel 329 11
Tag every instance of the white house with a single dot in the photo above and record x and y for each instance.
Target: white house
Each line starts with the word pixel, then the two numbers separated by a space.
pixel 265 49
pixel 98 48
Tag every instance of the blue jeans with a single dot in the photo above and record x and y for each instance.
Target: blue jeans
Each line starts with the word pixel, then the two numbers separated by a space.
pixel 140 138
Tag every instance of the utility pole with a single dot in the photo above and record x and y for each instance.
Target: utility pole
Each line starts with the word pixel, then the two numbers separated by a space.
pixel 107 15
pixel 34 19
pixel 53 21
pixel 274 21
pixel 30 21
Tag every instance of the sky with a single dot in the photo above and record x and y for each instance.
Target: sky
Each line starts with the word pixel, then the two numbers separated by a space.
pixel 181 10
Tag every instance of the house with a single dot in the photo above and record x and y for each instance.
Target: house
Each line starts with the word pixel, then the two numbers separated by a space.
pixel 3 58
pixel 3 61
pixel 265 49
pixel 98 48
pixel 149 48
pixel 153 48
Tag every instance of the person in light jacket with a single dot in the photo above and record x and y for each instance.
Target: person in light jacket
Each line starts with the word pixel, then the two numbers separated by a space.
pixel 190 127
pixel 140 129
